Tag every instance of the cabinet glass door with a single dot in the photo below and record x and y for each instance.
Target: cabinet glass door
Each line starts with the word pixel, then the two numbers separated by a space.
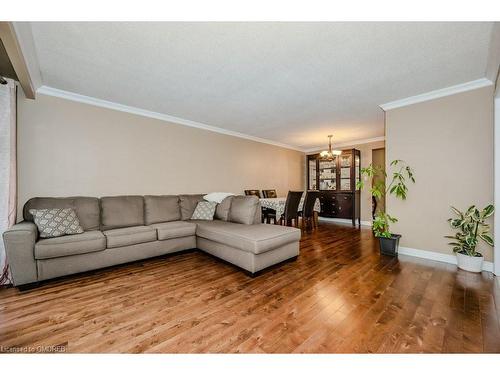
pixel 312 175
pixel 345 172
pixel 357 166
pixel 328 174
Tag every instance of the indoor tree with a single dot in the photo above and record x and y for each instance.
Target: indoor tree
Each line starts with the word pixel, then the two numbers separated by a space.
pixel 401 176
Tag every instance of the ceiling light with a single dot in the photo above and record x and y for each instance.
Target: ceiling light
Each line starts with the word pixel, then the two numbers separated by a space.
pixel 330 153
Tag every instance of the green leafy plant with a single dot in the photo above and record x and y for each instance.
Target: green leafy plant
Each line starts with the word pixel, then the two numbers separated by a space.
pixel 401 176
pixel 471 228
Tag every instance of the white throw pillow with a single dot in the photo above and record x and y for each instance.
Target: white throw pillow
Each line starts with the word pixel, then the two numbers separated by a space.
pixel 217 197
pixel 204 211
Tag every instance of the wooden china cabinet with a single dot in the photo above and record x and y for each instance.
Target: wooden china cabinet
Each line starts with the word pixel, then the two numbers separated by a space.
pixel 336 179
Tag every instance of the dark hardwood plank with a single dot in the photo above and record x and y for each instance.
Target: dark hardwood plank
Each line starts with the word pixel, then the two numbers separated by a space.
pixel 339 296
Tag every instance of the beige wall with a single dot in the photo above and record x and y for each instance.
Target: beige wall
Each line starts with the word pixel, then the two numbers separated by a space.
pixel 449 143
pixel 366 159
pixel 69 148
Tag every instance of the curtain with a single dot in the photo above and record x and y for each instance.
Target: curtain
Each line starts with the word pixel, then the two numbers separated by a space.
pixel 8 177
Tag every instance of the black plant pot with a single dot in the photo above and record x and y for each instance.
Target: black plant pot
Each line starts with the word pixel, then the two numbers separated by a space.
pixel 389 246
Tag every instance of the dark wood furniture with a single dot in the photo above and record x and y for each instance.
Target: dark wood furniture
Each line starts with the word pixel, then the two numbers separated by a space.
pixel 336 179
pixel 307 214
pixel 269 194
pixel 291 212
pixel 269 214
pixel 253 192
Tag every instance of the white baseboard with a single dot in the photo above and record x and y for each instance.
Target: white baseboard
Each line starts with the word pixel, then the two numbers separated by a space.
pixel 343 221
pixel 439 257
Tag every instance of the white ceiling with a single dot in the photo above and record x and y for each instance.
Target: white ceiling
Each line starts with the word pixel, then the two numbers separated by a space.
pixel 292 83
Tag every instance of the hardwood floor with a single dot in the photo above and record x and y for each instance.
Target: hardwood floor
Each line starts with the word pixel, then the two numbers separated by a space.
pixel 339 296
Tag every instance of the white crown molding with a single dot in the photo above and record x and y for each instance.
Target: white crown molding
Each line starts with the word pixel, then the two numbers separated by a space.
pixel 51 91
pixel 467 86
pixel 438 257
pixel 344 144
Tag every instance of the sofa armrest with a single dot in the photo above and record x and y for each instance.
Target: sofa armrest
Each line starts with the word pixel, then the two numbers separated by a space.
pixel 19 244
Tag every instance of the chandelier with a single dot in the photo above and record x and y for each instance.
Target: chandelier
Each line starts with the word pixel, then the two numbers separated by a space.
pixel 330 153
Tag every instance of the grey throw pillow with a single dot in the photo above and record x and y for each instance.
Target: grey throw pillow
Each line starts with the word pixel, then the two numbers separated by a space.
pixel 56 222
pixel 243 209
pixel 204 211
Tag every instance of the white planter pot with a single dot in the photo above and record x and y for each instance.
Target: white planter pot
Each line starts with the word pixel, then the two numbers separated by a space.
pixel 471 264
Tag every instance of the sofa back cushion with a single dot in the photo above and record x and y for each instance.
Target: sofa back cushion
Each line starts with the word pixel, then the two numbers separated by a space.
pixel 257 219
pixel 161 208
pixel 244 209
pixel 188 203
pixel 122 211
pixel 222 210
pixel 86 208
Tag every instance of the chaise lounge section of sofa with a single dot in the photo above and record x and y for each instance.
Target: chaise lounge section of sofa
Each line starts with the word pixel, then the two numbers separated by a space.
pixel 123 229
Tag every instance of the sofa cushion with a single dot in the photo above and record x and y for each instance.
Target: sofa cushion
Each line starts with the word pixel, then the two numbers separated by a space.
pixel 122 211
pixel 174 229
pixel 256 239
pixel 86 242
pixel 258 214
pixel 129 236
pixel 86 208
pixel 188 204
pixel 161 208
pixel 243 209
pixel 222 210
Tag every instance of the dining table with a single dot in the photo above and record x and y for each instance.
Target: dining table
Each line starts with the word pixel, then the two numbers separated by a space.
pixel 278 204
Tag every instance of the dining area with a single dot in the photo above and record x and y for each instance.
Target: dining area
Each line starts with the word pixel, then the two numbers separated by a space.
pixel 297 208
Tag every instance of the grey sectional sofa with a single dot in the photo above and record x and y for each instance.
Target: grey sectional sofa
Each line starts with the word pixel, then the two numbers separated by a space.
pixel 127 228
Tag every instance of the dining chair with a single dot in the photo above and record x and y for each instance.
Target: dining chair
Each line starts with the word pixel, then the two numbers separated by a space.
pixel 291 208
pixel 253 192
pixel 307 213
pixel 270 214
pixel 269 193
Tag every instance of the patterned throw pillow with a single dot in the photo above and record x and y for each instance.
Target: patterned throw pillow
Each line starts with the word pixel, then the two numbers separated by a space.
pixel 56 222
pixel 204 211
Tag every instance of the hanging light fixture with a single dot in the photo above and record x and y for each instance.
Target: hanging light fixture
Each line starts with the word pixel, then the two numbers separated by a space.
pixel 330 153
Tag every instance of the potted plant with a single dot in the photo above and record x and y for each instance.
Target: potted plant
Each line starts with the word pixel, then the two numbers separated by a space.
pixel 403 174
pixel 471 227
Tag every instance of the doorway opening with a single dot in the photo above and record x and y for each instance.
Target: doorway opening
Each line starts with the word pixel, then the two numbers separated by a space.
pixel 378 159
